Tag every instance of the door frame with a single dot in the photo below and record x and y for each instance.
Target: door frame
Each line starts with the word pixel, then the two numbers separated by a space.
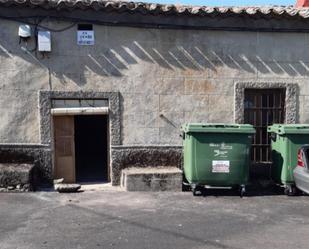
pixel 114 125
pixel 291 90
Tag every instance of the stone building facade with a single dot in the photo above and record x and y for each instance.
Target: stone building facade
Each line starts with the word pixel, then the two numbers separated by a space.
pixel 157 66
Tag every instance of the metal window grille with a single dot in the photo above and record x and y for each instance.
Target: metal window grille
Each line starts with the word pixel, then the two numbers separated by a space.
pixel 263 107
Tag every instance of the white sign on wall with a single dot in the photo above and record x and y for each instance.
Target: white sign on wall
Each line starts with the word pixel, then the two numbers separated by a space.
pixel 85 37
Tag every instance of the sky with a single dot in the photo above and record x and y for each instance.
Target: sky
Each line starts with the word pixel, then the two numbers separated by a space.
pixel 225 2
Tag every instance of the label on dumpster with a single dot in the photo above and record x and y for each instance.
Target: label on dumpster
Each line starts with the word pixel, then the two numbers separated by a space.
pixel 220 166
pixel 220 153
pixel 221 146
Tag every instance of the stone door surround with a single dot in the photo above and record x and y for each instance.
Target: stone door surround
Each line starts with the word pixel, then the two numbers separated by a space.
pixel 290 98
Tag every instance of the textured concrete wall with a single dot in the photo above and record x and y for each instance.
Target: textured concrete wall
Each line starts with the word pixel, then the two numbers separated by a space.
pixel 38 155
pixel 143 156
pixel 165 77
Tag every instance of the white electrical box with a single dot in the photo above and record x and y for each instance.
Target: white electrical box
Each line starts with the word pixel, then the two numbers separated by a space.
pixel 44 41
pixel 24 31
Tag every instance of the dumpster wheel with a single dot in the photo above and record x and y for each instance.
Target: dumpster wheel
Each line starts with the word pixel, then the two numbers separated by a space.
pixel 290 190
pixel 242 191
pixel 196 190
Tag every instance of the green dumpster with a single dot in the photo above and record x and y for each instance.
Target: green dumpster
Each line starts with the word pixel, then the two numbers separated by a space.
pixel 217 155
pixel 286 139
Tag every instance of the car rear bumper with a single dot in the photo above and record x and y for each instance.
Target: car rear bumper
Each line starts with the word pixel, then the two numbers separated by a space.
pixel 301 178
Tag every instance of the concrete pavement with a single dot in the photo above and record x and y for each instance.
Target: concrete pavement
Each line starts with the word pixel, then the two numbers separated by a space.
pixel 117 219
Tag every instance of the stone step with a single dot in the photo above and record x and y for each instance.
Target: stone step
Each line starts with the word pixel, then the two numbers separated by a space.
pixel 67 187
pixel 151 179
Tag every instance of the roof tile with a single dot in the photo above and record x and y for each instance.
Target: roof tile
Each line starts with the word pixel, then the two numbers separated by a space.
pixel 167 9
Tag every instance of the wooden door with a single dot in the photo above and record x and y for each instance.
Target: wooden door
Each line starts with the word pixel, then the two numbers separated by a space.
pixel 64 148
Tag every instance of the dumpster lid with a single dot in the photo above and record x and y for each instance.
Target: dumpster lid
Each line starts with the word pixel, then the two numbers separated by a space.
pixel 289 128
pixel 218 128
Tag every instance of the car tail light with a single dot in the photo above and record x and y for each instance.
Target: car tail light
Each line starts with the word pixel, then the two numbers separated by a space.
pixel 300 162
